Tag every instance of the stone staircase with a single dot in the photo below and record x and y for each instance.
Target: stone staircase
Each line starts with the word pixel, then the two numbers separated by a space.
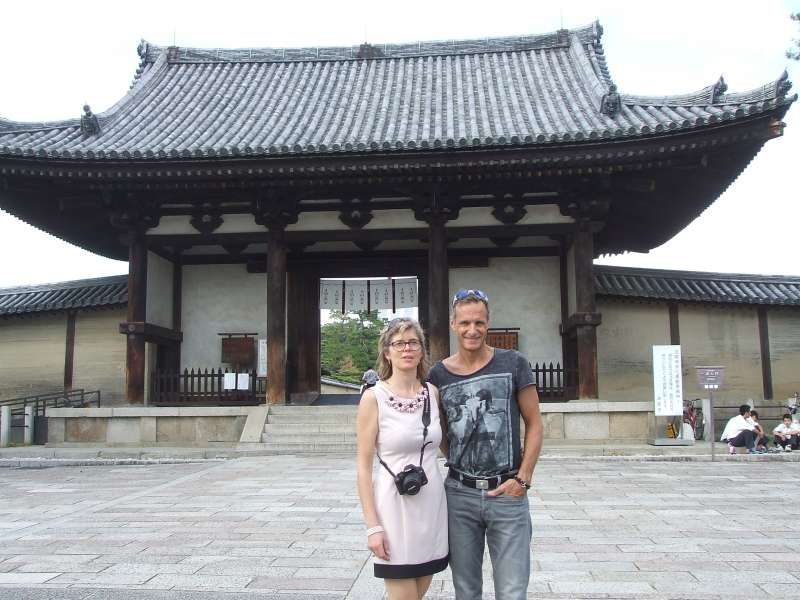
pixel 310 430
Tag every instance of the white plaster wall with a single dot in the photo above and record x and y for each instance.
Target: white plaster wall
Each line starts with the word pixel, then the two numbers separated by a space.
pixel 159 291
pixel 219 298
pixel 524 293
pixel 784 350
pixel 100 349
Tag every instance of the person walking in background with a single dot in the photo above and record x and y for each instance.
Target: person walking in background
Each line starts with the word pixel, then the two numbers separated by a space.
pixel 483 392
pixel 739 432
pixel 404 506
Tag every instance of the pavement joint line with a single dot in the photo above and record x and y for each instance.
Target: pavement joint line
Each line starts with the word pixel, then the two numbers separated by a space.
pixel 83 511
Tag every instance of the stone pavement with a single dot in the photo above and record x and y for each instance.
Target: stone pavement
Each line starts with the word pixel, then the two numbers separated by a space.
pixel 258 528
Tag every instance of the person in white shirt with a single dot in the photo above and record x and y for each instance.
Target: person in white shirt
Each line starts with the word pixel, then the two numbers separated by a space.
pixel 787 434
pixel 739 432
pixel 761 437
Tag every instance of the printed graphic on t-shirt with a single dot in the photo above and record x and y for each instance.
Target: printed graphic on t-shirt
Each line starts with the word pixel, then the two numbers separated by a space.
pixel 479 424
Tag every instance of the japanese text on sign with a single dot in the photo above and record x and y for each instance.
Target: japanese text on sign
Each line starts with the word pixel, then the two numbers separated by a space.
pixel 667 380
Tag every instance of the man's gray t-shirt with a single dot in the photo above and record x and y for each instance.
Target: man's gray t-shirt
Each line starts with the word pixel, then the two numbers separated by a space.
pixel 483 405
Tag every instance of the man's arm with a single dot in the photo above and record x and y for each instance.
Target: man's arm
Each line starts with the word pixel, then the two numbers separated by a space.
pixel 528 400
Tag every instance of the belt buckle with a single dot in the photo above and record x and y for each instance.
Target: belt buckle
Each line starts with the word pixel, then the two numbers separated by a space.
pixel 481 484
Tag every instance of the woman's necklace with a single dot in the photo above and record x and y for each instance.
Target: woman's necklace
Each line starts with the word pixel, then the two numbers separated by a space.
pixel 408 405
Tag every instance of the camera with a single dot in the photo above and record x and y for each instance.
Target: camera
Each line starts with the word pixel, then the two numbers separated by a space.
pixel 410 480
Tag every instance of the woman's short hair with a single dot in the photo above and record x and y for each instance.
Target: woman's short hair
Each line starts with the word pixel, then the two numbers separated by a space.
pixel 394 327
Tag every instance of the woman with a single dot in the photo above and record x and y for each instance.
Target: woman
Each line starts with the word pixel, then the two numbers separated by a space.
pixel 399 419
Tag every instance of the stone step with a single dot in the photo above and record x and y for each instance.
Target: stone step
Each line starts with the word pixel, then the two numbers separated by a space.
pixel 327 438
pixel 309 428
pixel 308 447
pixel 278 409
pixel 312 420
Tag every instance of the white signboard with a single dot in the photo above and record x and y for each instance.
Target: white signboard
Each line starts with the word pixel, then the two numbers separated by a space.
pixel 355 296
pixel 667 381
pixel 380 294
pixel 330 294
pixel 405 292
pixel 261 366
pixel 236 381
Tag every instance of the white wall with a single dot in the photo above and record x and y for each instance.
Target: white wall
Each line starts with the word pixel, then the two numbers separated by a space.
pixel 159 291
pixel 219 298
pixel 524 293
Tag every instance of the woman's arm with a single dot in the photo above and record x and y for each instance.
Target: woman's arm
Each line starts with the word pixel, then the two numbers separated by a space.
pixel 366 435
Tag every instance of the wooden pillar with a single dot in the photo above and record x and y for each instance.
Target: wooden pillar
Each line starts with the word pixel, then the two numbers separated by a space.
pixel 303 338
pixel 137 312
pixel 423 299
pixel 438 291
pixel 69 352
pixel 766 361
pixel 674 325
pixel 177 310
pixel 584 320
pixel 276 318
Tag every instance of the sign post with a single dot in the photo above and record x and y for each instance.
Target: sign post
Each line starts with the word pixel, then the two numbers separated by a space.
pixel 710 378
pixel 668 392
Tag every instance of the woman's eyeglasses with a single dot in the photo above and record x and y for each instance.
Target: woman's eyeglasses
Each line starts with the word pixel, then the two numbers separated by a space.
pixel 403 344
pixel 470 294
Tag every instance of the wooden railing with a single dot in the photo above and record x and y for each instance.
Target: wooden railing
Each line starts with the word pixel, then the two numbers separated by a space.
pixel 551 381
pixel 204 387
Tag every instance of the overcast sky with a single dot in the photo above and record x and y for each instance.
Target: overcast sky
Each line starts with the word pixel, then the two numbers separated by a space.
pixel 56 56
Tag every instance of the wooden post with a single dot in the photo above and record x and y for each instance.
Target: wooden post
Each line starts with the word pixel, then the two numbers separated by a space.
pixel 69 352
pixel 766 361
pixel 303 339
pixel 674 324
pixel 585 318
pixel 177 308
pixel 137 312
pixel 438 291
pixel 276 318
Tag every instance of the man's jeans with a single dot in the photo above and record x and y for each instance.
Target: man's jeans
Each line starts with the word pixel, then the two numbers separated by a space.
pixel 505 522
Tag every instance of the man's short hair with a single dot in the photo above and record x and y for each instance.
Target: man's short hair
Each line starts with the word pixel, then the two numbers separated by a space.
pixel 467 296
pixel 786 416
pixel 754 413
pixel 744 408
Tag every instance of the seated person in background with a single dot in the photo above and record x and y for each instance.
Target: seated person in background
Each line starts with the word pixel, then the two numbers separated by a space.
pixel 761 438
pixel 740 432
pixel 787 435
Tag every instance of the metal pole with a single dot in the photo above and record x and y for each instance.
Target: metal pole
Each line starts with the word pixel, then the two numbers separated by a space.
pixel 5 426
pixel 711 422
pixel 29 420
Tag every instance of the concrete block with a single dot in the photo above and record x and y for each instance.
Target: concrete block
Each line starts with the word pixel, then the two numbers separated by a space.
pixel 147 430
pixel 586 426
pixel 219 429
pixel 123 431
pixel 79 412
pixel 55 430
pixel 175 430
pixel 553 426
pixel 86 430
pixel 628 425
pixel 254 426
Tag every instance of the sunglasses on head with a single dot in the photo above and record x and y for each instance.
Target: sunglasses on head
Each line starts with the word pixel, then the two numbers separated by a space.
pixel 461 295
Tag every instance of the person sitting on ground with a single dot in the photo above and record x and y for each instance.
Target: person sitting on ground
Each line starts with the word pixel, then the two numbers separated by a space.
pixel 761 438
pixel 740 432
pixel 787 435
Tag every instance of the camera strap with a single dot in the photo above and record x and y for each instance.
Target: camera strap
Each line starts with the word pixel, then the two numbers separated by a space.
pixel 426 421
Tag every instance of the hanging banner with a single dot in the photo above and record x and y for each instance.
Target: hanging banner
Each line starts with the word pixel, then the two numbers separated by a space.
pixel 405 292
pixel 667 381
pixel 355 296
pixel 380 294
pixel 330 294
pixel 261 368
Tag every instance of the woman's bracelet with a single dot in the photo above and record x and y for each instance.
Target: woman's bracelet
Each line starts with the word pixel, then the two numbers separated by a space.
pixel 376 529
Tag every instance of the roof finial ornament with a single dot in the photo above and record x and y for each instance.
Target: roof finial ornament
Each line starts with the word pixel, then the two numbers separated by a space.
pixel 783 85
pixel 89 123
pixel 611 103
pixel 719 88
pixel 367 50
pixel 142 48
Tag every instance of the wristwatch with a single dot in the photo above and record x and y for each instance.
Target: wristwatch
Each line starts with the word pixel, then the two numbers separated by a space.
pixel 524 484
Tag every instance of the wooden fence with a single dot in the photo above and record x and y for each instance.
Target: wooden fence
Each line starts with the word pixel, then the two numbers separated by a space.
pixel 204 387
pixel 551 381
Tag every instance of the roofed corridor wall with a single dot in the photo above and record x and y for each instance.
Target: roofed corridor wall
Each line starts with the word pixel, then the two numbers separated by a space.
pixel 32 355
pixel 784 349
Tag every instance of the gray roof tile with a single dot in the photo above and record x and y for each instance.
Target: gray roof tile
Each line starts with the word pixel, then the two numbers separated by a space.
pixel 68 295
pixel 512 91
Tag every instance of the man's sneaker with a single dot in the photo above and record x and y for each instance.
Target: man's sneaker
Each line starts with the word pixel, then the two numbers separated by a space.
pixel 731 449
pixel 787 449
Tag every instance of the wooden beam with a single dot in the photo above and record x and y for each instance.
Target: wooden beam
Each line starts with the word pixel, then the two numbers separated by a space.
pixel 69 352
pixel 276 319
pixel 674 325
pixel 137 312
pixel 438 292
pixel 766 361
pixel 151 332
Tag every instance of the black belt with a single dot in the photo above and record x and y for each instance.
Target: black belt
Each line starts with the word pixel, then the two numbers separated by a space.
pixel 480 483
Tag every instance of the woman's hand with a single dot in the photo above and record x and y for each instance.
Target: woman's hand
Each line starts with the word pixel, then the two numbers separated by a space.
pixel 379 545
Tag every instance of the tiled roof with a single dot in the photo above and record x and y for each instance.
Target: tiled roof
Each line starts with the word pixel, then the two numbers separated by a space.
pixel 696 286
pixel 84 293
pixel 514 91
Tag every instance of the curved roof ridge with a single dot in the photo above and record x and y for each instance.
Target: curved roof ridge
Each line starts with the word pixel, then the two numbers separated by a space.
pixel 62 285
pixel 680 274
pixel 555 39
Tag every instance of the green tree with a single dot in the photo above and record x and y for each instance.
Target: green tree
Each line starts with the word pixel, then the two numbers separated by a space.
pixel 794 51
pixel 350 344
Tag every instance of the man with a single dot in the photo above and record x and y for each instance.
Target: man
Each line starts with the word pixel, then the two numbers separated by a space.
pixel 740 432
pixel 489 474
pixel 786 434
